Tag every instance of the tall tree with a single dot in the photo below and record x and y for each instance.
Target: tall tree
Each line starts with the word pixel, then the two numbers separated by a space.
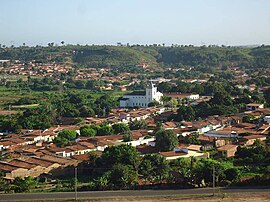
pixel 122 154
pixel 121 128
pixel 154 167
pixel 186 113
pixel 166 140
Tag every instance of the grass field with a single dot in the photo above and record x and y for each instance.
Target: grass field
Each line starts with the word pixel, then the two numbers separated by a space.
pixel 10 95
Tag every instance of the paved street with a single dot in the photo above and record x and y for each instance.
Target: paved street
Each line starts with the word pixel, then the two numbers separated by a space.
pixel 113 194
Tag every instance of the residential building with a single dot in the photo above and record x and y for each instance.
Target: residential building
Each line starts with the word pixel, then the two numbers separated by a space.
pixel 227 150
pixel 254 106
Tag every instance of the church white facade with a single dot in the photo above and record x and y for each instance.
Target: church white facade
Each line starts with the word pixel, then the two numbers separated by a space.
pixel 141 98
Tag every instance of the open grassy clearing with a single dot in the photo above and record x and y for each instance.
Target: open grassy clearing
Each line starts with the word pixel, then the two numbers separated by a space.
pixel 11 95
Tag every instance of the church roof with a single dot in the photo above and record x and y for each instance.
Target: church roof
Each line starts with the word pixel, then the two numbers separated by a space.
pixel 139 93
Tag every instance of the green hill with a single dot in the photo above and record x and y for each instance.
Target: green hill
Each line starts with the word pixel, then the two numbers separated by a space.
pixel 112 56
pixel 102 56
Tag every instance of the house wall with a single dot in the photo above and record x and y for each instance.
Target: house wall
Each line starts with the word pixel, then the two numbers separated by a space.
pixel 172 157
pixel 52 167
pixel 140 142
pixel 254 107
pixel 220 143
pixel 20 172
pixel 36 171
pixel 267 119
pixel 231 152
pixel 215 134
pixel 251 141
pixel 228 153
pixel 194 97
pixel 204 129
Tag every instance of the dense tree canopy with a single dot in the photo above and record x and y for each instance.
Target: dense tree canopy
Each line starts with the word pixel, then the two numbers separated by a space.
pixel 65 138
pixel 122 154
pixel 121 128
pixel 166 140
pixel 154 167
pixel 87 131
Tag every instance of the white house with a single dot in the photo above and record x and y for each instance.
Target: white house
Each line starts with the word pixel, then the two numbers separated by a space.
pixel 181 96
pixel 141 141
pixel 141 98
pixel 267 119
pixel 221 134
pixel 254 106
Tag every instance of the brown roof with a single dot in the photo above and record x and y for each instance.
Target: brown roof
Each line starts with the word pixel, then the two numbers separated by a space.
pixel 245 125
pixel 109 137
pixel 45 151
pixel 264 127
pixel 30 150
pixel 250 137
pixel 38 161
pixel 6 143
pixel 7 167
pixel 227 147
pixel 81 157
pixel 136 134
pixel 55 159
pixel 22 164
pixel 172 153
pixel 187 123
pixel 151 124
pixel 194 147
pixel 78 147
pixel 87 144
pixel 178 95
pixel 206 138
pixel 17 140
pixel 169 125
pixel 145 149
pixel 253 105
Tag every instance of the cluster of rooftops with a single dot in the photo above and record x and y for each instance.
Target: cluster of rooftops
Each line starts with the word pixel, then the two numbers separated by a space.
pixel 33 153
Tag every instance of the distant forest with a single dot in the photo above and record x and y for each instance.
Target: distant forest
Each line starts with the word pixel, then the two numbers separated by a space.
pixel 174 56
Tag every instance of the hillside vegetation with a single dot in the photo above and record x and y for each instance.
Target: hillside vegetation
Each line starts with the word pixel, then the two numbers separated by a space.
pixel 175 56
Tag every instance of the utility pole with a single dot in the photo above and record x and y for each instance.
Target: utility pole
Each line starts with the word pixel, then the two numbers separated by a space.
pixel 76 176
pixel 75 184
pixel 214 180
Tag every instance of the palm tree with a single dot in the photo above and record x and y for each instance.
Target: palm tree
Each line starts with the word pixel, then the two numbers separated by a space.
pixel 165 99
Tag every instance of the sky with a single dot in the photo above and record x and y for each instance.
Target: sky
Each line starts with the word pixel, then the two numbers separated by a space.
pixel 197 22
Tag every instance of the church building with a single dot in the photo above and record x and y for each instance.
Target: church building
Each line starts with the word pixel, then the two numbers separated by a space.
pixel 141 98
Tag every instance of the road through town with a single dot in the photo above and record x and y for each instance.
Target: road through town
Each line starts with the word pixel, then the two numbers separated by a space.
pixel 126 193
